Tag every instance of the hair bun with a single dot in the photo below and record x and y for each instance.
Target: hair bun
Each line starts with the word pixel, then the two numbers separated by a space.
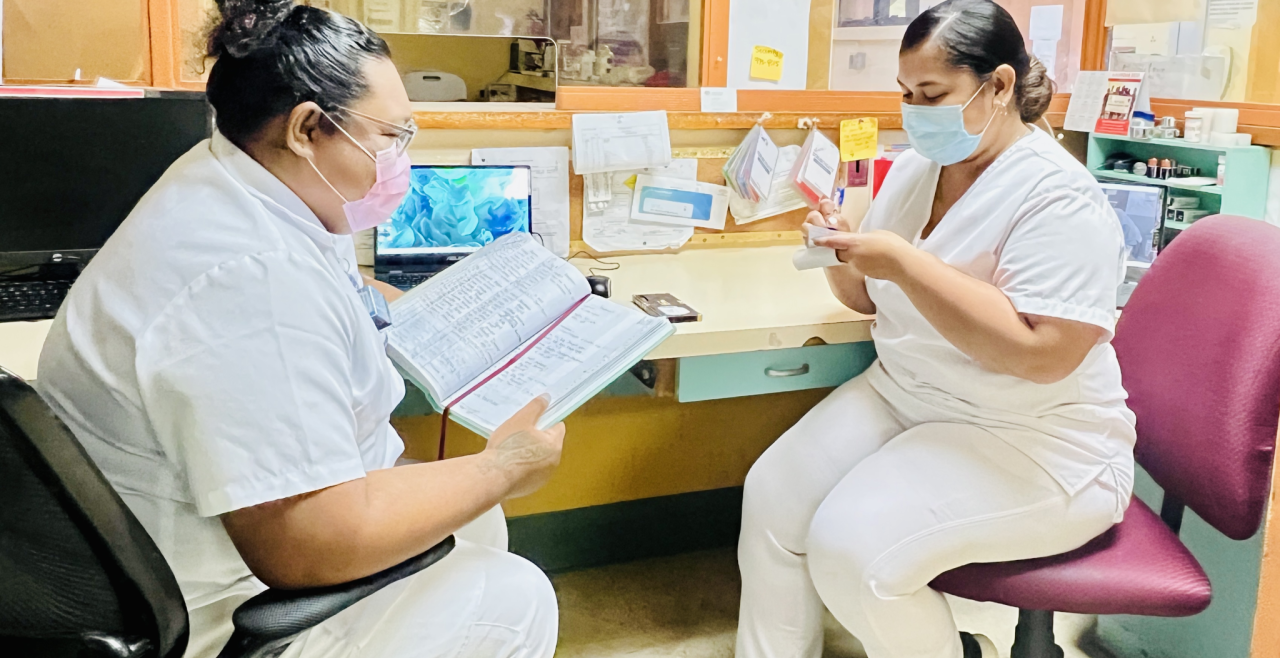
pixel 247 26
pixel 1034 91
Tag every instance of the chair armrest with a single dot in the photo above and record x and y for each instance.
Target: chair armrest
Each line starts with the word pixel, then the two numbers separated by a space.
pixel 273 618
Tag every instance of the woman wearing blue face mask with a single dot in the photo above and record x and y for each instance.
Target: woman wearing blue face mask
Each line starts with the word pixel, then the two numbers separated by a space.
pixel 993 425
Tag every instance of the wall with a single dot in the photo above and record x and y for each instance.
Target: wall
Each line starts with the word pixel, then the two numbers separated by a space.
pixel 45 41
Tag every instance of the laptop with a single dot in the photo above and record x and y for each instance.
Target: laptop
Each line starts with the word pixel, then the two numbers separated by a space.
pixel 450 212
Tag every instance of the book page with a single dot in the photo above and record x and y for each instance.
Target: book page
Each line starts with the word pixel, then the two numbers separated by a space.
pixel 589 341
pixel 464 320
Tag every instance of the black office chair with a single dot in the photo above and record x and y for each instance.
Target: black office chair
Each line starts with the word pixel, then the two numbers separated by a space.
pixel 79 576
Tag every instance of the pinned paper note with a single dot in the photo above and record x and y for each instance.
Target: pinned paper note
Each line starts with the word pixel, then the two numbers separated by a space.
pixel 766 63
pixel 858 138
pixel 719 99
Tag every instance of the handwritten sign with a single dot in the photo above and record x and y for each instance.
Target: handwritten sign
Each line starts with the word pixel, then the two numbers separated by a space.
pixel 858 138
pixel 766 63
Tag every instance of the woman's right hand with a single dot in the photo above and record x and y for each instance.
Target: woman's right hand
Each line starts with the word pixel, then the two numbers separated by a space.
pixel 827 216
pixel 523 454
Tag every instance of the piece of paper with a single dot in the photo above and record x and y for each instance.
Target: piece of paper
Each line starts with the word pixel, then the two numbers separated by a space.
pixel 550 168
pixel 812 256
pixel 858 139
pixel 1087 96
pixel 817 167
pixel 1123 98
pixel 680 202
pixel 610 228
pixel 783 198
pixel 1233 14
pixel 719 99
pixel 1047 52
pixel 766 63
pixel 1046 23
pixel 598 338
pixel 614 142
pixel 446 326
pixel 765 161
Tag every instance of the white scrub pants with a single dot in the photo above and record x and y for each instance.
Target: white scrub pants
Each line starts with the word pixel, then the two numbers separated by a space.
pixel 861 504
pixel 478 602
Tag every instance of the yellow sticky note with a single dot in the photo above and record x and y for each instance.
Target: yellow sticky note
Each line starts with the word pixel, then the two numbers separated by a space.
pixel 766 63
pixel 858 139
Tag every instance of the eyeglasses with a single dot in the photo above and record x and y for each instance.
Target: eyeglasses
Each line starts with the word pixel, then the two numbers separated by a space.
pixel 404 133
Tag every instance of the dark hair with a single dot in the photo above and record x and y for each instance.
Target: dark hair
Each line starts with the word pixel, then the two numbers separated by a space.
pixel 273 55
pixel 980 35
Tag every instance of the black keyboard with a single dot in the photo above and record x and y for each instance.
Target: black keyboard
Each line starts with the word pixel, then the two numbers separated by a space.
pixel 31 300
pixel 407 280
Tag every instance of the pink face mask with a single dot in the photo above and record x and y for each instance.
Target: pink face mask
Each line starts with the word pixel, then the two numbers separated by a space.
pixel 388 191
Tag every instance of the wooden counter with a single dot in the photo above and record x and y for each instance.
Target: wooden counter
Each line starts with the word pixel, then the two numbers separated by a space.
pixel 751 299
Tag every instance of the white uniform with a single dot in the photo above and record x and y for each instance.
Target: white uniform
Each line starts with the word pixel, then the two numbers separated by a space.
pixel 215 356
pixel 927 461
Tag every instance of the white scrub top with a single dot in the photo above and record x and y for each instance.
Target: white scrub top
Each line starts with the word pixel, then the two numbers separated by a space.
pixel 1036 225
pixel 215 356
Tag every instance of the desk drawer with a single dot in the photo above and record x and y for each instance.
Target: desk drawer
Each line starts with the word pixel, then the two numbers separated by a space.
pixel 722 376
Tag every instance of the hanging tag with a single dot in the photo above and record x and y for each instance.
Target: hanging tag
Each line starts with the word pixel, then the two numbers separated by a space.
pixel 377 307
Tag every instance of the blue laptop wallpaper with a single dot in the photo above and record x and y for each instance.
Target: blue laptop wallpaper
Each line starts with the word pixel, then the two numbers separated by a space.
pixel 451 209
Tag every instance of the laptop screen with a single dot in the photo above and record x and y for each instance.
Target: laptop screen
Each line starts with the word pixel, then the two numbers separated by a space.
pixel 457 210
pixel 1139 208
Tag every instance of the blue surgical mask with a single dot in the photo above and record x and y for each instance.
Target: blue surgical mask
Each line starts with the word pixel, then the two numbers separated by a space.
pixel 937 132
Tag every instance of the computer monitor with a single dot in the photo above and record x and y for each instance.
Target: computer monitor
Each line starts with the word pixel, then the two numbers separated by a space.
pixel 73 168
pixel 451 211
pixel 1140 209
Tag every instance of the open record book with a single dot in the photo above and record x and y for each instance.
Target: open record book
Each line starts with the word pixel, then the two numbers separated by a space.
pixel 509 323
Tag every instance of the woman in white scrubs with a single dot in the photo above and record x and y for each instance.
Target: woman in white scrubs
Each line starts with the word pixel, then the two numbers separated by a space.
pixel 217 363
pixel 993 425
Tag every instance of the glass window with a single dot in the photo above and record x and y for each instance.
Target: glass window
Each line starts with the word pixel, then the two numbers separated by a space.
pixel 597 42
pixel 867 33
pixel 625 43
pixel 1217 57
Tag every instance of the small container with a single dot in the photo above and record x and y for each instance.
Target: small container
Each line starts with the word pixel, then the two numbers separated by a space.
pixel 1165 166
pixel 1153 168
pixel 1140 168
pixel 1184 202
pixel 1222 170
pixel 1194 127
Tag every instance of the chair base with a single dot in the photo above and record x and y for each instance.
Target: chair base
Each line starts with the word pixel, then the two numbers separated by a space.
pixel 1034 636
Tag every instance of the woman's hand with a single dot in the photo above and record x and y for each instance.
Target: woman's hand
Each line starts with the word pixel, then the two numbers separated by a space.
pixel 522 454
pixel 878 254
pixel 827 216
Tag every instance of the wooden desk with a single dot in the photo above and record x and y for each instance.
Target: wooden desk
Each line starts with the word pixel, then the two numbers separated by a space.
pixel 20 344
pixel 751 299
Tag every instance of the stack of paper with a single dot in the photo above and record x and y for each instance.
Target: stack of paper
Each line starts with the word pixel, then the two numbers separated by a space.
pixel 749 171
pixel 815 172
pixel 614 142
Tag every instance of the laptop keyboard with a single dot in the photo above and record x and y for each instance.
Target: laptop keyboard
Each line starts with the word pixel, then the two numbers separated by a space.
pixel 31 300
pixel 406 280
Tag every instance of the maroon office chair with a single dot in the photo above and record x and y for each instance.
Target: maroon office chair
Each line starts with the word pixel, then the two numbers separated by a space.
pixel 1199 349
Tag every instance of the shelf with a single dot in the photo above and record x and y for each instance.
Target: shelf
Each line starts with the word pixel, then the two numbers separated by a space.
pixel 1177 226
pixel 1170 183
pixel 1176 143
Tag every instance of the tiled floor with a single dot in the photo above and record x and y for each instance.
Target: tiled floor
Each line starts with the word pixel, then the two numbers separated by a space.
pixel 686 607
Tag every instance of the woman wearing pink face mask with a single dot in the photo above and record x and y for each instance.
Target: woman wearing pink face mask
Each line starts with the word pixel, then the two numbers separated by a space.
pixel 216 361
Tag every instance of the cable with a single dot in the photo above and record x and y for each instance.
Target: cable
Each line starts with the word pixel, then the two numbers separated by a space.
pixel 592 270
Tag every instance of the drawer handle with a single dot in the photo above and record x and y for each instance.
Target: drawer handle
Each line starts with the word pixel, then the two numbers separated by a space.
pixel 790 372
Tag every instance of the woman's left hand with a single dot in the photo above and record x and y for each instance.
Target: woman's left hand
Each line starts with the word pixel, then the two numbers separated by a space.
pixel 878 254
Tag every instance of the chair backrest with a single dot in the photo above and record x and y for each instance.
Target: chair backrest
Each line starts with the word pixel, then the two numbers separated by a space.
pixel 1199 349
pixel 73 559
